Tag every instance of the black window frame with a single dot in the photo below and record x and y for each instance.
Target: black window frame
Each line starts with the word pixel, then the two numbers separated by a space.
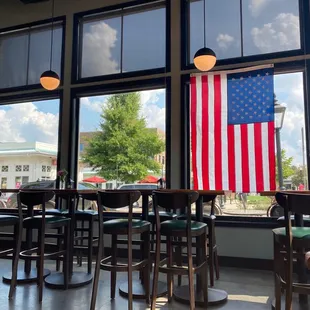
pixel 116 10
pixel 185 41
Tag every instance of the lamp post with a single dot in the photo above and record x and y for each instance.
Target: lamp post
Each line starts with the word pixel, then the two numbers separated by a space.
pixel 279 112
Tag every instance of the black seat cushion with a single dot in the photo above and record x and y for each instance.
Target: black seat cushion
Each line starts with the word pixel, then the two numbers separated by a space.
pixel 7 220
pixel 121 225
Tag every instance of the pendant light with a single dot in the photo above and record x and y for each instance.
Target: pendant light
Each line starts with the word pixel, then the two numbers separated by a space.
pixel 205 58
pixel 50 79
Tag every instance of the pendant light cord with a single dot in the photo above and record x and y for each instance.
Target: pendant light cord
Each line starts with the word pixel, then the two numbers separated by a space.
pixel 52 33
pixel 204 23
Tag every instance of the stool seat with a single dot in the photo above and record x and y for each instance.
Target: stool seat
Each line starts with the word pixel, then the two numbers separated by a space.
pixel 36 221
pixel 8 220
pixel 118 225
pixel 297 232
pixel 163 215
pixel 168 227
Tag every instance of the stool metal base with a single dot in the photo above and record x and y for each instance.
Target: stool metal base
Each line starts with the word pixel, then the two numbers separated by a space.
pixel 138 291
pixel 77 279
pixel 215 297
pixel 296 304
pixel 23 277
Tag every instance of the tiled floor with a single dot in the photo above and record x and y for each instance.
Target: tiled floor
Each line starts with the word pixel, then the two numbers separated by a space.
pixel 247 289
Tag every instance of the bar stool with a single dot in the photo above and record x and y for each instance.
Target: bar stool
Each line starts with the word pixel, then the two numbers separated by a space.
pixel 289 245
pixel 177 200
pixel 126 226
pixel 17 223
pixel 43 222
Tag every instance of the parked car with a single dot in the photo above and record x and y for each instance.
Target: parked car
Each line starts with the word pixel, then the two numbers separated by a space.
pixel 12 200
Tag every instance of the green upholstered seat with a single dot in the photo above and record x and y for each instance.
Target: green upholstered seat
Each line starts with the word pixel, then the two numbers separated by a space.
pixel 164 216
pixel 120 224
pixel 180 225
pixel 8 219
pixel 35 221
pixel 297 232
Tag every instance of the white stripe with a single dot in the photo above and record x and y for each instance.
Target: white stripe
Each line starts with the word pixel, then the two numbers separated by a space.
pixel 211 132
pixel 199 131
pixel 251 150
pixel 224 132
pixel 265 156
pixel 238 162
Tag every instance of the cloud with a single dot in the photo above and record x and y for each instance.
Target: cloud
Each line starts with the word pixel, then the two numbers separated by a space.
pixel 224 41
pixel 24 123
pixel 98 43
pixel 279 35
pixel 94 105
pixel 257 6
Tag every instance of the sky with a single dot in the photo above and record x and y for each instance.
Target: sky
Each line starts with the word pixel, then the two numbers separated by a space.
pixel 268 26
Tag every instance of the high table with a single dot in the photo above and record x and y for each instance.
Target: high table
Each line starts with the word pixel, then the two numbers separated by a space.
pixel 302 272
pixel 181 294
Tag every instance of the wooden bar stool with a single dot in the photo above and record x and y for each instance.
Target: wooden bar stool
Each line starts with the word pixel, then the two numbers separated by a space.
pixel 129 227
pixel 289 246
pixel 177 200
pixel 17 223
pixel 43 222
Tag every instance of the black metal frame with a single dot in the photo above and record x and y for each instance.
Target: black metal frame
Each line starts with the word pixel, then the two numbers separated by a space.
pixel 39 96
pixel 114 88
pixel 62 21
pixel 77 43
pixel 185 41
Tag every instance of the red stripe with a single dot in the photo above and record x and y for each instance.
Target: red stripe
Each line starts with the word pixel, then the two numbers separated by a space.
pixel 231 157
pixel 272 156
pixel 193 130
pixel 205 133
pixel 245 158
pixel 258 157
pixel 218 133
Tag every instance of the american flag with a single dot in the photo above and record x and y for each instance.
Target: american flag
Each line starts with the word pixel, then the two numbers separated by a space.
pixel 232 130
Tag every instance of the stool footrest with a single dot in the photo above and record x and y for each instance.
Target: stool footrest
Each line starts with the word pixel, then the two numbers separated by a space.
pixel 121 267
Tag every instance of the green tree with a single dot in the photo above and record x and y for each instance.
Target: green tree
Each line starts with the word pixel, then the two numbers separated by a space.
pixel 298 176
pixel 124 148
pixel 287 166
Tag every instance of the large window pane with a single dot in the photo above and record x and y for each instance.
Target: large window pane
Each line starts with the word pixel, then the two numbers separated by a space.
pixel 40 53
pixel 289 93
pixel 122 139
pixel 270 26
pixel 144 40
pixel 28 146
pixel 13 60
pixel 223 32
pixel 101 50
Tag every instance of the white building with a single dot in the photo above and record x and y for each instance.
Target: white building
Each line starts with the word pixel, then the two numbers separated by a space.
pixel 22 162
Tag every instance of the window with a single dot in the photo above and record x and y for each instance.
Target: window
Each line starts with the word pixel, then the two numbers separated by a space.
pixel 48 168
pixel 264 27
pixel 124 42
pixel 4 182
pixel 18 182
pixel 28 140
pixel 25 55
pixel 43 168
pixel 137 120
pixel 289 93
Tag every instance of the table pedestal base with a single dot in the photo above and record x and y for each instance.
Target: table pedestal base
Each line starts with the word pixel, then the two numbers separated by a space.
pixel 296 304
pixel 23 277
pixel 138 291
pixel 77 279
pixel 215 297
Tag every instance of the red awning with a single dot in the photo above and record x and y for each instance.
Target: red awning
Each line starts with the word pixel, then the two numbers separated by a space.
pixel 149 179
pixel 95 179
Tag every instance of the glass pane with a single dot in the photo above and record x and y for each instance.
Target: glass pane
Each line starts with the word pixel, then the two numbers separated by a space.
pixel 270 26
pixel 28 141
pixel 130 131
pixel 40 53
pixel 144 45
pixel 223 32
pixel 13 60
pixel 101 50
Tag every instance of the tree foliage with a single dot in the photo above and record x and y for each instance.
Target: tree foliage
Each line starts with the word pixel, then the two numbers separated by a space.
pixel 287 166
pixel 298 176
pixel 124 148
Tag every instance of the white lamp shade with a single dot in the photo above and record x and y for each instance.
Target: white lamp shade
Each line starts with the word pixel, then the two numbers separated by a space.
pixel 50 80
